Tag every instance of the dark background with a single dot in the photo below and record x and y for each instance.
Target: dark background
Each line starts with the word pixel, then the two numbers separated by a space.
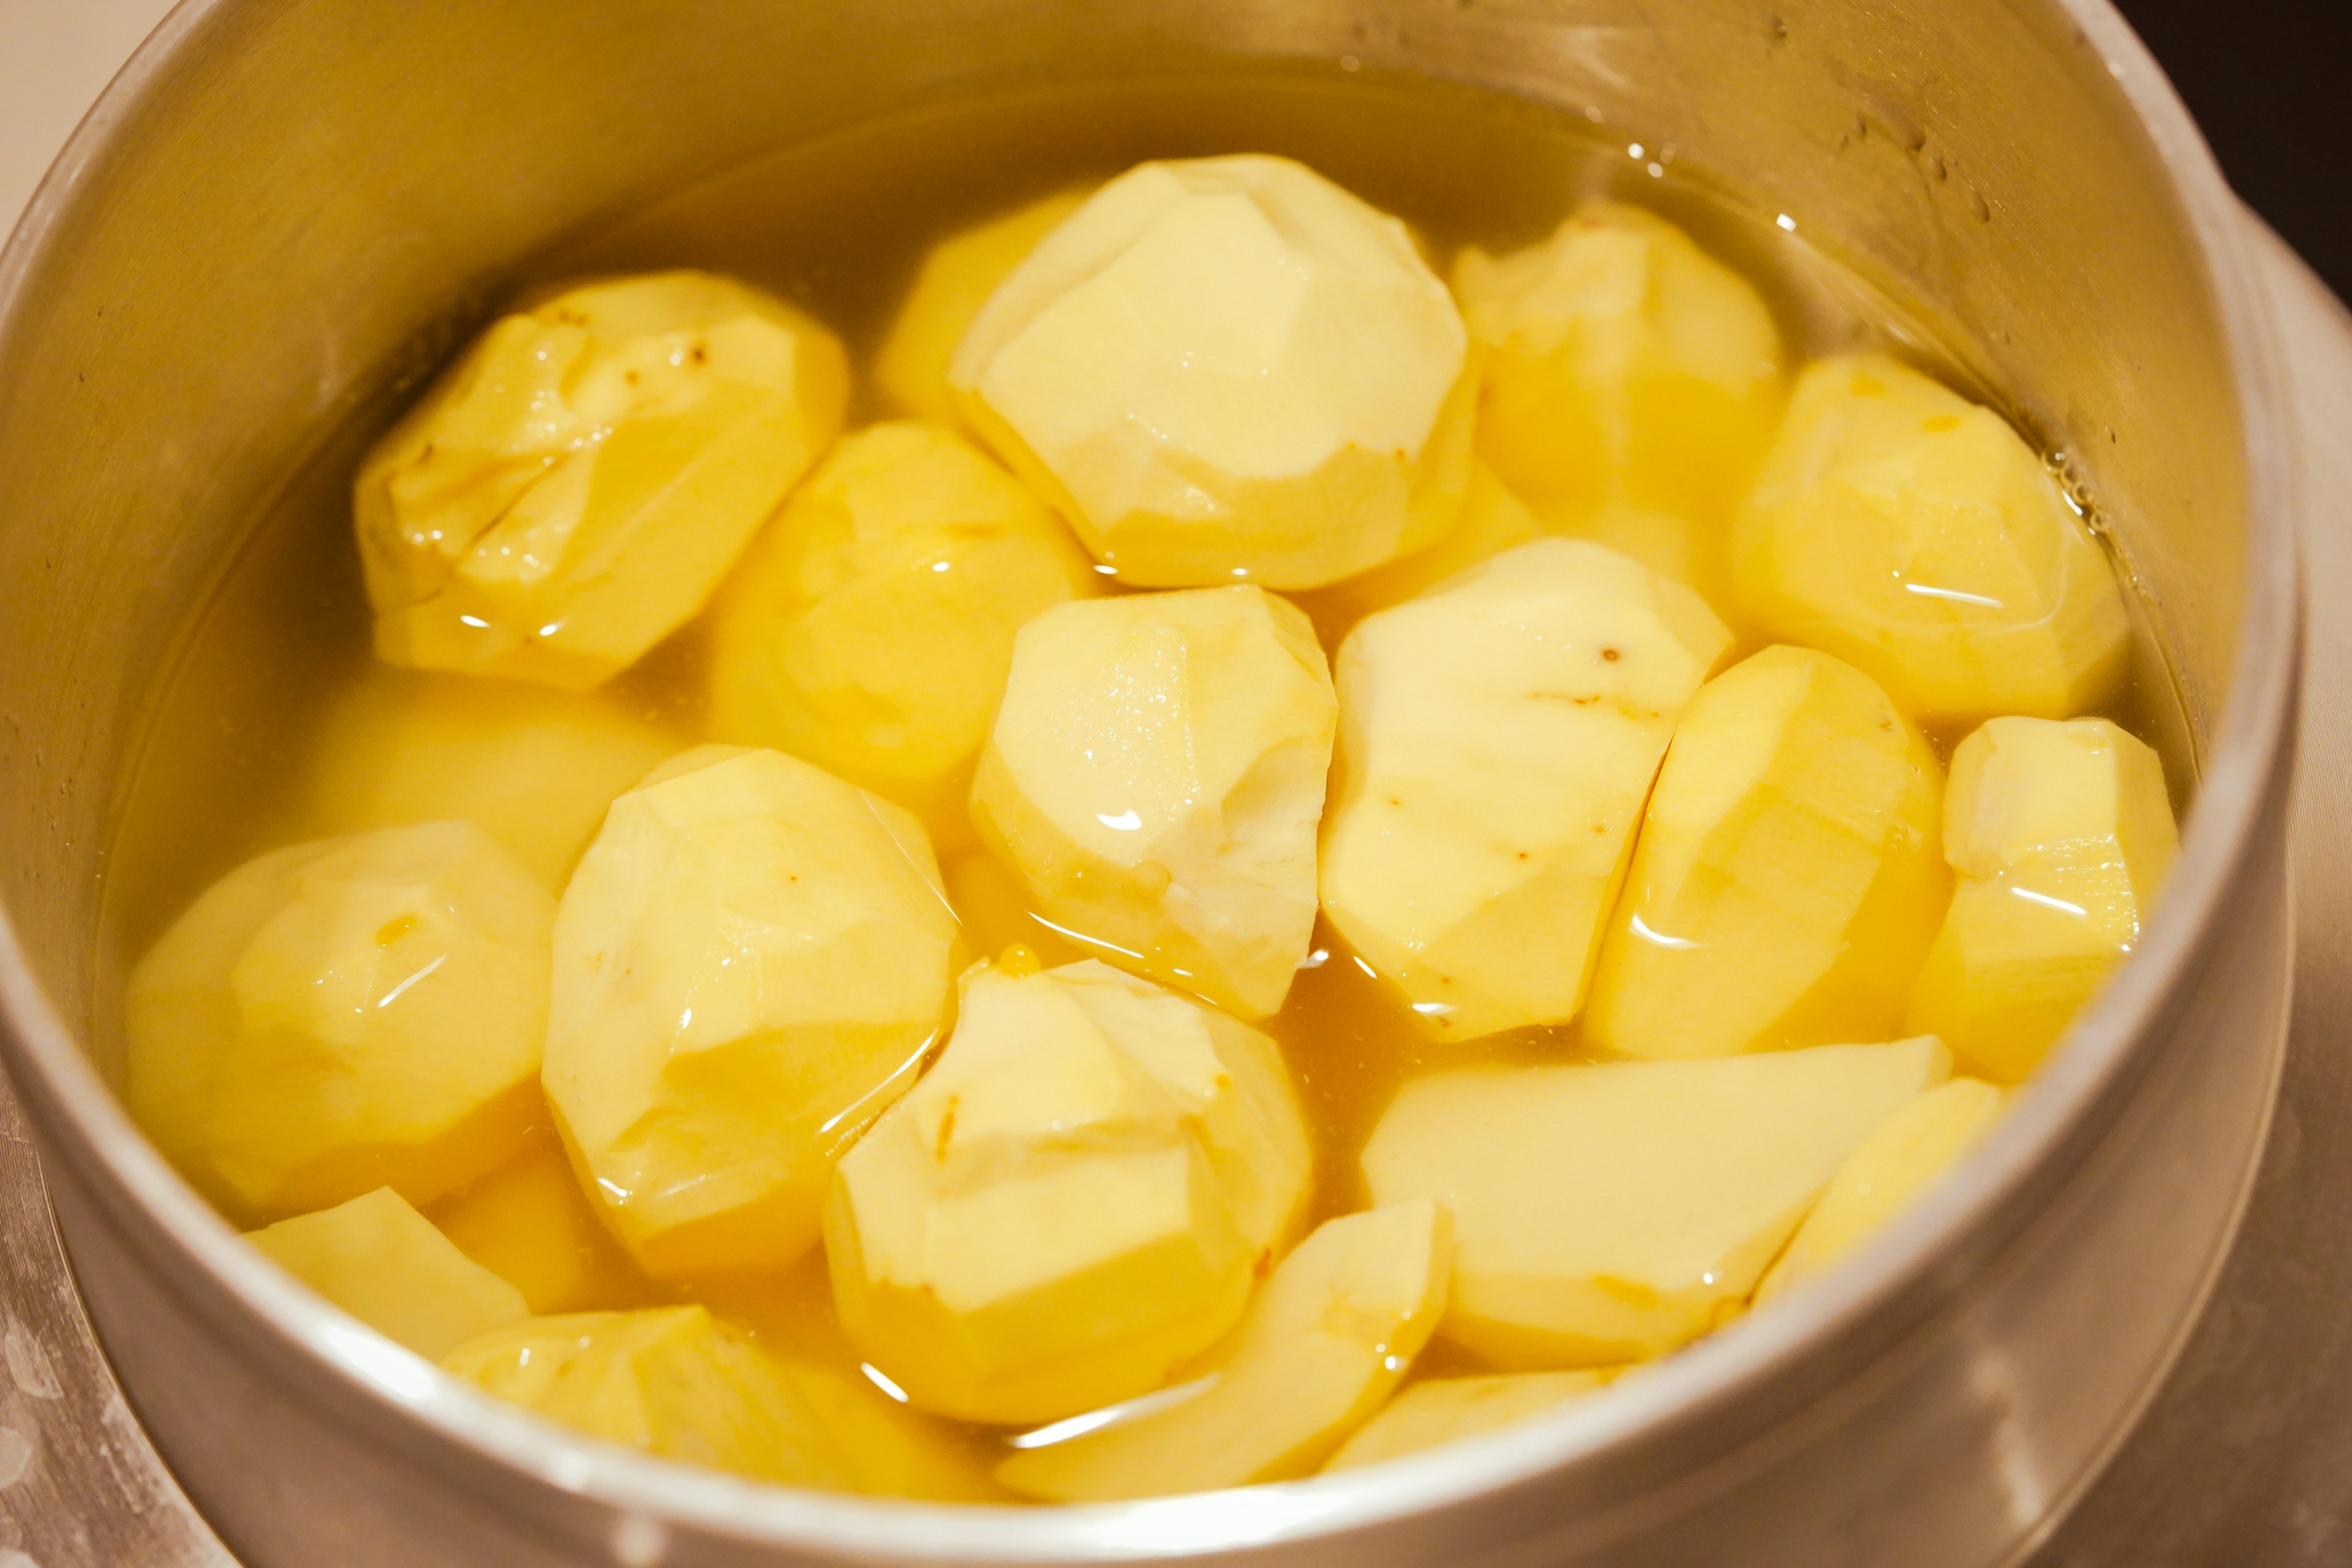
pixel 2271 82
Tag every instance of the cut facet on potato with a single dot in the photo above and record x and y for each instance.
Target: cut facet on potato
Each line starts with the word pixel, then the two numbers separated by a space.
pixel 1908 1153
pixel 572 489
pixel 750 964
pixel 1498 740
pixel 1076 1198
pixel 1610 1212
pixel 1789 878
pixel 385 1264
pixel 1445 1409
pixel 1155 777
pixel 2061 834
pixel 955 281
pixel 1493 519
pixel 346 1014
pixel 1329 1338
pixel 1914 534
pixel 672 1382
pixel 532 766
pixel 1623 365
pixel 871 626
pixel 528 1223
pixel 1228 367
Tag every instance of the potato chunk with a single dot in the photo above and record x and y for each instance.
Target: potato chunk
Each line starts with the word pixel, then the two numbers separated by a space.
pixel 1332 1334
pixel 870 629
pixel 1908 1153
pixel 385 1264
pixel 672 1382
pixel 1446 1409
pixel 571 489
pixel 1623 365
pixel 1074 1200
pixel 1609 1214
pixel 2062 835
pixel 956 279
pixel 750 964
pixel 1155 776
pixel 1497 739
pixel 1789 878
pixel 533 767
pixel 1228 367
pixel 1905 528
pixel 345 1015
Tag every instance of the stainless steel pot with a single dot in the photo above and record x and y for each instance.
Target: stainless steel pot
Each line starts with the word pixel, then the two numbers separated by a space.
pixel 280 207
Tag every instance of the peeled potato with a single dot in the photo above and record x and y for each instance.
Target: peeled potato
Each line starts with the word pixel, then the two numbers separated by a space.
pixel 750 964
pixel 343 1015
pixel 2061 834
pixel 1916 536
pixel 572 489
pixel 1074 1200
pixel 1223 368
pixel 385 1264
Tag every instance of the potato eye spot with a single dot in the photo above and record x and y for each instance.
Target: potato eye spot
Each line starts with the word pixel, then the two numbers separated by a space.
pixel 393 930
pixel 1942 422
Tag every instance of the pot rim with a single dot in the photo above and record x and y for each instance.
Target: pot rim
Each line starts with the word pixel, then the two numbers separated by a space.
pixel 89 1126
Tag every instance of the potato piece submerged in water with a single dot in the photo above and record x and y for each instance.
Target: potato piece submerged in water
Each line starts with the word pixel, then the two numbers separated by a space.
pixel 1228 367
pixel 1631 381
pixel 1908 1153
pixel 1076 1199
pixel 1329 1338
pixel 341 1015
pixel 1912 533
pixel 1493 519
pixel 536 768
pixel 870 629
pixel 958 275
pixel 749 963
pixel 2061 834
pixel 385 1264
pixel 1446 1409
pixel 1497 739
pixel 572 489
pixel 1787 879
pixel 672 1382
pixel 1610 1212
pixel 1155 776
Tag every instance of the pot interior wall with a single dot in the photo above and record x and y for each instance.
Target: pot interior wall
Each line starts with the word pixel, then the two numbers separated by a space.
pixel 310 202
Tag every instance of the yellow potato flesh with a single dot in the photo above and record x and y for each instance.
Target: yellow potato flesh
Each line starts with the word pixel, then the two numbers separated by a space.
pixel 385 1264
pixel 870 629
pixel 533 767
pixel 572 489
pixel 2061 834
pixel 528 1223
pixel 750 964
pixel 954 282
pixel 341 1015
pixel 1608 1213
pixel 1789 878
pixel 1155 776
pixel 1498 740
pixel 1445 1409
pixel 992 902
pixel 1626 372
pixel 1908 1154
pixel 1914 534
pixel 1329 1338
pixel 1228 367
pixel 672 1382
pixel 1076 1199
